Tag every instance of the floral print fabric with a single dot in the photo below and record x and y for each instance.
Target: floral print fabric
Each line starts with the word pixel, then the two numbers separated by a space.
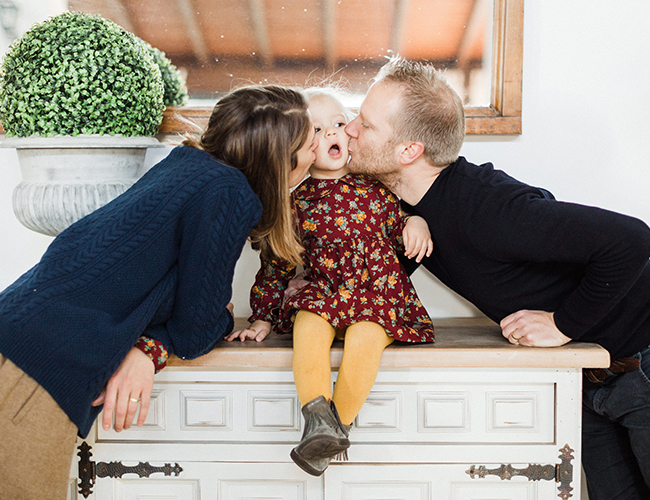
pixel 155 350
pixel 350 228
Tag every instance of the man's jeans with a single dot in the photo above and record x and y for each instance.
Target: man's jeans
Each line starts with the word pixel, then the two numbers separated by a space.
pixel 616 434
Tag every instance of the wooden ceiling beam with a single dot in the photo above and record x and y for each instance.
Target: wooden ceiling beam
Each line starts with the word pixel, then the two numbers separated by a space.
pixel 118 11
pixel 127 17
pixel 475 24
pixel 193 31
pixel 261 31
pixel 328 21
pixel 399 25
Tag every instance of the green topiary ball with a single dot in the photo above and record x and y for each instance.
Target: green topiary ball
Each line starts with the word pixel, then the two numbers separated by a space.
pixel 175 89
pixel 79 74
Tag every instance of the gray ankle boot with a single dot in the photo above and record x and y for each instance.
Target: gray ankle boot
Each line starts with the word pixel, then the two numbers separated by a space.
pixel 324 437
pixel 343 456
pixel 317 466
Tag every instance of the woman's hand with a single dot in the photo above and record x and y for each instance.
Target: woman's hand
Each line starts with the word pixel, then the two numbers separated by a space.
pixel 417 238
pixel 130 384
pixel 258 330
pixel 532 329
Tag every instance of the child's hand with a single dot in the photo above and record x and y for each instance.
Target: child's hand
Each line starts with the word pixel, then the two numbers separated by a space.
pixel 258 330
pixel 417 238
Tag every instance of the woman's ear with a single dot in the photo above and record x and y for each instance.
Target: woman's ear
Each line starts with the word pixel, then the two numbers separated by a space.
pixel 409 152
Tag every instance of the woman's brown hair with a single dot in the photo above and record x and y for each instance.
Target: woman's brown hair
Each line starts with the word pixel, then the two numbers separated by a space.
pixel 258 130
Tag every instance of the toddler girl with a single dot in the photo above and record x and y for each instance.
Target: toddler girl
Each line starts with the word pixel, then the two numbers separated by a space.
pixel 352 287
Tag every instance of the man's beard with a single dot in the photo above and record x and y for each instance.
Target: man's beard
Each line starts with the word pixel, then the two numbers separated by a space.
pixel 377 163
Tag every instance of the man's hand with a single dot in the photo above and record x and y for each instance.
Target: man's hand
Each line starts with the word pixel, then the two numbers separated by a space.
pixel 132 382
pixel 417 238
pixel 258 330
pixel 532 329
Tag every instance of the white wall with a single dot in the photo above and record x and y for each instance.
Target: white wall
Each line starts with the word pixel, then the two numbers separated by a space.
pixel 585 133
pixel 20 248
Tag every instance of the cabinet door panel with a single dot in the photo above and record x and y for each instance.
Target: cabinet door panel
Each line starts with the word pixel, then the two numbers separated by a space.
pixel 458 413
pixel 217 412
pixel 212 481
pixel 427 482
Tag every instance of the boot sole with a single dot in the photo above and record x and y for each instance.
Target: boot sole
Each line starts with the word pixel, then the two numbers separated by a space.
pixel 305 465
pixel 321 446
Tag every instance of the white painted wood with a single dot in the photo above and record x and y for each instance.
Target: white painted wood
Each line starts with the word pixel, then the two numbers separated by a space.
pixel 418 433
pixel 214 480
pixel 425 482
pixel 416 437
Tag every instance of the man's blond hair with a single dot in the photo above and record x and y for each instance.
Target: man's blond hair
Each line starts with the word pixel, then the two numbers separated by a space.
pixel 430 111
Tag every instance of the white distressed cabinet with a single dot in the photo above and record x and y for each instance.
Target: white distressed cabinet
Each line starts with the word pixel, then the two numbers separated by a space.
pixel 468 418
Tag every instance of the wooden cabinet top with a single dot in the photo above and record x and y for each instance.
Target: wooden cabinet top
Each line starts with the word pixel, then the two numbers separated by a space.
pixel 460 343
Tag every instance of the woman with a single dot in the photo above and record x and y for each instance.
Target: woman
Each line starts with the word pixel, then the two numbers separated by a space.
pixel 155 264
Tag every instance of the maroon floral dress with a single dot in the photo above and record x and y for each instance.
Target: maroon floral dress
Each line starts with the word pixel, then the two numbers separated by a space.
pixel 350 228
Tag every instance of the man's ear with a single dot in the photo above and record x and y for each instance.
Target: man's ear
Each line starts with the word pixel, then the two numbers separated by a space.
pixel 409 152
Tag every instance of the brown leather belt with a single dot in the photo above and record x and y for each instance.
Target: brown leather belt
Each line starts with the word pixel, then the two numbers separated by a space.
pixel 622 365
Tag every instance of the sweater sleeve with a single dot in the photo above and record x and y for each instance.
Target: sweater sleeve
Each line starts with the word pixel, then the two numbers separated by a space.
pixel 612 249
pixel 214 231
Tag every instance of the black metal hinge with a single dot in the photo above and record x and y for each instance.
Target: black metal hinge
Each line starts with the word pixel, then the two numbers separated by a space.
pixel 89 471
pixel 560 473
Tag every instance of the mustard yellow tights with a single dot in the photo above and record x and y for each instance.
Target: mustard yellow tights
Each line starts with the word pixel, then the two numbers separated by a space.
pixel 312 339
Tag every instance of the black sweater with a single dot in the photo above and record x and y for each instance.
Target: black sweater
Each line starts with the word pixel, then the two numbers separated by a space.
pixel 507 246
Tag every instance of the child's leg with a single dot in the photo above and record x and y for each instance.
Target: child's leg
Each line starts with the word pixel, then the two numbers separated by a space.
pixel 364 343
pixel 312 340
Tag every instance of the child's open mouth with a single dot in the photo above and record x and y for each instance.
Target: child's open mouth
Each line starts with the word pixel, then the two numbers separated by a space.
pixel 335 150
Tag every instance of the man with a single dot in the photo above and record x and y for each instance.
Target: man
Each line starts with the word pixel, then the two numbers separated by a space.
pixel 549 272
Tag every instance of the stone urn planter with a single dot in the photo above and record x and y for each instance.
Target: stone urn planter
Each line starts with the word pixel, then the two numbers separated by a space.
pixel 66 178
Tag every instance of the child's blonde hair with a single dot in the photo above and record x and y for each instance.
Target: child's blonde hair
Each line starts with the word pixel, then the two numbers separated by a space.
pixel 333 93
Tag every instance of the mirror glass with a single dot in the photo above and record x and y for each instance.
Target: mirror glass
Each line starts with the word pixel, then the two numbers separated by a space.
pixel 221 44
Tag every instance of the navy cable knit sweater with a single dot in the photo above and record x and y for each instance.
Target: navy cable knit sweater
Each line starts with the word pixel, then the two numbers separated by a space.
pixel 158 260
pixel 507 246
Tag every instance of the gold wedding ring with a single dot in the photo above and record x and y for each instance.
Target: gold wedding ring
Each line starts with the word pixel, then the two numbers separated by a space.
pixel 134 400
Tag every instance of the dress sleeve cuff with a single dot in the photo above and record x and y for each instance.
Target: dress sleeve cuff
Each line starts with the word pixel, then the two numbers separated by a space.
pixel 155 350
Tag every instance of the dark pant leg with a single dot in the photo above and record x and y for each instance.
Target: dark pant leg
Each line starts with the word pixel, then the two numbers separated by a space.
pixel 637 421
pixel 610 465
pixel 616 435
